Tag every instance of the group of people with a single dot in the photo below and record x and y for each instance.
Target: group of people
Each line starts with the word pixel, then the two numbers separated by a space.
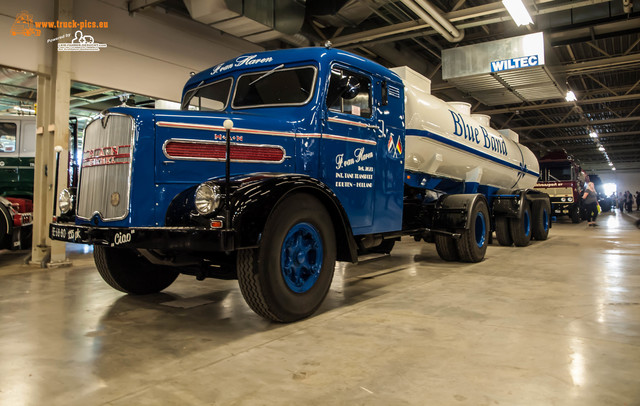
pixel 625 202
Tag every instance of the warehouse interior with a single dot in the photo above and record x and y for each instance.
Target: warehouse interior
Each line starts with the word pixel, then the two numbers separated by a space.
pixel 557 322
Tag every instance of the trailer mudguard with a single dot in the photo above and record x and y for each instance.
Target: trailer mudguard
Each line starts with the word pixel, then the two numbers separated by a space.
pixel 452 211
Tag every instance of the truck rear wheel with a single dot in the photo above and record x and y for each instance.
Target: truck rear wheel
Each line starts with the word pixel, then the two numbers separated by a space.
pixel 540 210
pixel 446 247
pixel 127 271
pixel 472 245
pixel 503 233
pixel 288 276
pixel 574 213
pixel 521 227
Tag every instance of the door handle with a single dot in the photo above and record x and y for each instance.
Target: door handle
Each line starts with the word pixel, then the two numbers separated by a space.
pixel 372 126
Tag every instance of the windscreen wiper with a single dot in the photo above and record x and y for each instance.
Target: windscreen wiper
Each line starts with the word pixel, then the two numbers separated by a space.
pixel 267 74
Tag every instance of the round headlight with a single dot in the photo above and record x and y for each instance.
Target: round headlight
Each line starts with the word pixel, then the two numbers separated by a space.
pixel 207 198
pixel 569 199
pixel 65 201
pixel 563 199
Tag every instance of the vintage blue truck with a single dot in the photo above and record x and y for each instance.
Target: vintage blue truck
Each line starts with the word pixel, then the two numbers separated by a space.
pixel 281 163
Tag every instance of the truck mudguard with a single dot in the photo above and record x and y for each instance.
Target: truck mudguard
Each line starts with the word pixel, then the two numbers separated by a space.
pixel 452 211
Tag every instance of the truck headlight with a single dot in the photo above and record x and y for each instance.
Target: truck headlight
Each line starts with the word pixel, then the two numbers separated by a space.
pixel 563 199
pixel 569 199
pixel 65 201
pixel 207 198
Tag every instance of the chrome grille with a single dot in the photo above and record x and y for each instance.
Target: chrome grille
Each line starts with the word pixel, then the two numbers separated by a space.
pixel 106 168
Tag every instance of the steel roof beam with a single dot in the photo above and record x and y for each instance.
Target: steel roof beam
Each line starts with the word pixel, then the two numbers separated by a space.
pixel 577 123
pixel 634 96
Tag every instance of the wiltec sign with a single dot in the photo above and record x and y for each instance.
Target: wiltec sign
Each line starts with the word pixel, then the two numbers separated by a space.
pixel 515 63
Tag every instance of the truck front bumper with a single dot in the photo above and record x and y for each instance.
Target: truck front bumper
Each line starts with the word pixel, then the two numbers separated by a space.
pixel 159 238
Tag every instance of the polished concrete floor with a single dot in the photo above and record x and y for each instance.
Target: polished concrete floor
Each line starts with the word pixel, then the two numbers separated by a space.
pixel 556 323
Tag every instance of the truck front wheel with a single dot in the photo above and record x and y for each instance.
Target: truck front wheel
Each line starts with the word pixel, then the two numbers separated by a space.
pixel 472 245
pixel 288 277
pixel 123 269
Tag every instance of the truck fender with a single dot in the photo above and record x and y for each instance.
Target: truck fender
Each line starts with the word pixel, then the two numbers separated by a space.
pixel 6 224
pixel 253 203
pixel 452 211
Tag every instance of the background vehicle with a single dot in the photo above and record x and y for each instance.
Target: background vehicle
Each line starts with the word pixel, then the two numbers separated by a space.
pixel 17 157
pixel 564 181
pixel 292 160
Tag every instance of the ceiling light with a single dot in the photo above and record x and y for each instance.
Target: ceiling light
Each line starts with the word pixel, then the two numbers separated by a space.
pixel 592 134
pixel 570 97
pixel 610 163
pixel 518 12
pixel 601 148
pixel 613 169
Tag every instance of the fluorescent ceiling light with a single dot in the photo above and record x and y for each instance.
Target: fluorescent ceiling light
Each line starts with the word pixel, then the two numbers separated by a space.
pixel 601 148
pixel 570 97
pixel 518 12
pixel 610 163
pixel 593 134
pixel 613 169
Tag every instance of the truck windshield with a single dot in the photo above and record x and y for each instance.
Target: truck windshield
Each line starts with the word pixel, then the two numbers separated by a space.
pixel 210 97
pixel 558 173
pixel 282 87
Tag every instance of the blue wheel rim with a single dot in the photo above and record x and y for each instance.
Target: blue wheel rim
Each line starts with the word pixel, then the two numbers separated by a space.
pixel 545 220
pixel 301 257
pixel 481 229
pixel 527 223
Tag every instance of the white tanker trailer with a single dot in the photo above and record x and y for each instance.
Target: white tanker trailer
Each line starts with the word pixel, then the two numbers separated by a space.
pixel 453 152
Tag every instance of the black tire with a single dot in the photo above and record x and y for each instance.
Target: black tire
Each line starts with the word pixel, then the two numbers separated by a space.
pixel 541 212
pixel 503 233
pixel 446 247
pixel 574 213
pixel 521 227
pixel 284 293
pixel 127 271
pixel 6 228
pixel 384 247
pixel 472 245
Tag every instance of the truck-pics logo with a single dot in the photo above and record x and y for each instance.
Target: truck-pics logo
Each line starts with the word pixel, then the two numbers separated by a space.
pixel 24 25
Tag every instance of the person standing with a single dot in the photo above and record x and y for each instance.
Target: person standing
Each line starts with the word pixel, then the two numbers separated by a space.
pixel 590 199
pixel 629 202
pixel 637 200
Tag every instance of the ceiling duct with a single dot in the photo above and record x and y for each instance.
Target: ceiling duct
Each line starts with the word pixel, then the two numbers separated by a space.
pixel 506 71
pixel 253 20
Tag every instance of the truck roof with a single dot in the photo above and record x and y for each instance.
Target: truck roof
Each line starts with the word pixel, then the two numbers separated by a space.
pixel 274 58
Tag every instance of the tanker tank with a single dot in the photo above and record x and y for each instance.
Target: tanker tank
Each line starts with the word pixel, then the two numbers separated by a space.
pixel 444 140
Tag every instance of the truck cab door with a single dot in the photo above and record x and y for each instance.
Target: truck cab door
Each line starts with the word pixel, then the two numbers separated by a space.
pixel 9 156
pixel 349 144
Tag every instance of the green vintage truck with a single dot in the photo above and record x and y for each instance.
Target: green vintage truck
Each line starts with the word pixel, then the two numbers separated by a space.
pixel 17 159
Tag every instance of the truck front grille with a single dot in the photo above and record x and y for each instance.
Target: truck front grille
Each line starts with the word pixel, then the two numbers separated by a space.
pixel 106 168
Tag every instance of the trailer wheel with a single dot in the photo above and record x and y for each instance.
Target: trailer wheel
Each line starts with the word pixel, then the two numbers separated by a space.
pixel 540 210
pixel 123 269
pixel 446 247
pixel 503 233
pixel 288 276
pixel 521 227
pixel 472 245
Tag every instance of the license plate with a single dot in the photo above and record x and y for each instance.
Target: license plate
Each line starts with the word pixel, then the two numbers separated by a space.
pixel 65 233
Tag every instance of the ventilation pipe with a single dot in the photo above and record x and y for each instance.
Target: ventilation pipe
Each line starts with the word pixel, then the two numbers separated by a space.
pixel 430 15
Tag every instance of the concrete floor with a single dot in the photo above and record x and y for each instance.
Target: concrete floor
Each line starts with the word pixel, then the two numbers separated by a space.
pixel 556 323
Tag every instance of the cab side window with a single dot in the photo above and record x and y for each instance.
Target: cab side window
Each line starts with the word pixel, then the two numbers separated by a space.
pixel 8 132
pixel 349 93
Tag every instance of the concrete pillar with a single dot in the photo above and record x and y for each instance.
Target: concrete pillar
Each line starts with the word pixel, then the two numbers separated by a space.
pixel 53 122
